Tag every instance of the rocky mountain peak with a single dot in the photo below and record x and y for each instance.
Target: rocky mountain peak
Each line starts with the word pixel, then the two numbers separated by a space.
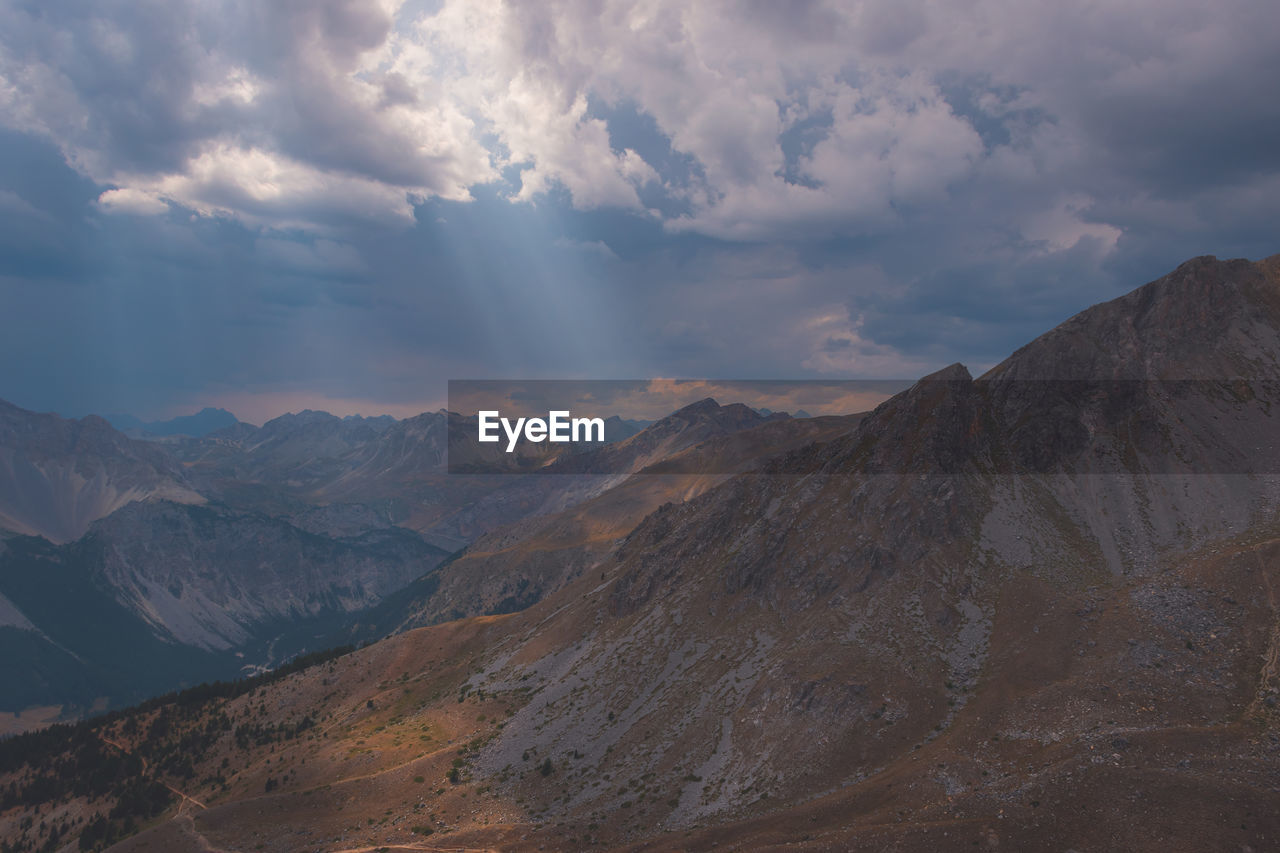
pixel 1208 319
pixel 952 373
pixel 703 406
pixel 707 411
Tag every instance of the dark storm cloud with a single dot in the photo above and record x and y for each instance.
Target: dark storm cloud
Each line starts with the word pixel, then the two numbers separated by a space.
pixel 356 199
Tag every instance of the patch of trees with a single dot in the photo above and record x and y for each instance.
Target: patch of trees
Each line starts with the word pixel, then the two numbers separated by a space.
pixel 54 834
pixel 92 769
pixel 170 733
pixel 33 748
pixel 256 734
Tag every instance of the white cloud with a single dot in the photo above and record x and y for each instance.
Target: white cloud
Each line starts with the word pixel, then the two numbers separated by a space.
pixel 132 200
pixel 1063 226
pixel 724 83
pixel 838 347
pixel 265 188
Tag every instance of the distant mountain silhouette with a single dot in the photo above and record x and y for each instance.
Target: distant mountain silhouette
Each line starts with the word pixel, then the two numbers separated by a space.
pixel 203 422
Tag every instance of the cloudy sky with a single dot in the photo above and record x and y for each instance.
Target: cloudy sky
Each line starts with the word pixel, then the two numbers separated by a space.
pixel 270 205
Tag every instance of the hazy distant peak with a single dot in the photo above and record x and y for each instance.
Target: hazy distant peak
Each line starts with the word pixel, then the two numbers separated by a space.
pixel 58 475
pixel 309 415
pixel 706 404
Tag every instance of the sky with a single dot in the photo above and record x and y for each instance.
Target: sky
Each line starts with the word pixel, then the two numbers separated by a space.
pixel 342 204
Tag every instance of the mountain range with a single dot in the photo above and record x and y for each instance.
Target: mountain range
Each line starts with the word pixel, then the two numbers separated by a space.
pixel 203 422
pixel 132 567
pixel 1032 610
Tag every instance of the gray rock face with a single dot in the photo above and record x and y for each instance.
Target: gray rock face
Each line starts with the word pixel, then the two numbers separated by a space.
pixel 210 578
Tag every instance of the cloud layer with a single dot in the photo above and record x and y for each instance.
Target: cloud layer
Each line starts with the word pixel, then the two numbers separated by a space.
pixel 857 188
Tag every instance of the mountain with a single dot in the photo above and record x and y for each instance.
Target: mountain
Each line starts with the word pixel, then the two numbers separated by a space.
pixel 332 475
pixel 277 563
pixel 203 422
pixel 57 476
pixel 67 643
pixel 515 565
pixel 1034 610
pixel 212 578
pixel 141 585
pixel 306 449
pixel 619 429
pixel 158 595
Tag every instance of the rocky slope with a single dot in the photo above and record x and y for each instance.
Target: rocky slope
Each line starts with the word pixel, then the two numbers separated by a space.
pixel 757 636
pixel 516 565
pixel 211 578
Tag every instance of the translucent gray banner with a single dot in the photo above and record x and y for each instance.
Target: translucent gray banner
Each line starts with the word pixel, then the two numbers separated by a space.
pixel 888 426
